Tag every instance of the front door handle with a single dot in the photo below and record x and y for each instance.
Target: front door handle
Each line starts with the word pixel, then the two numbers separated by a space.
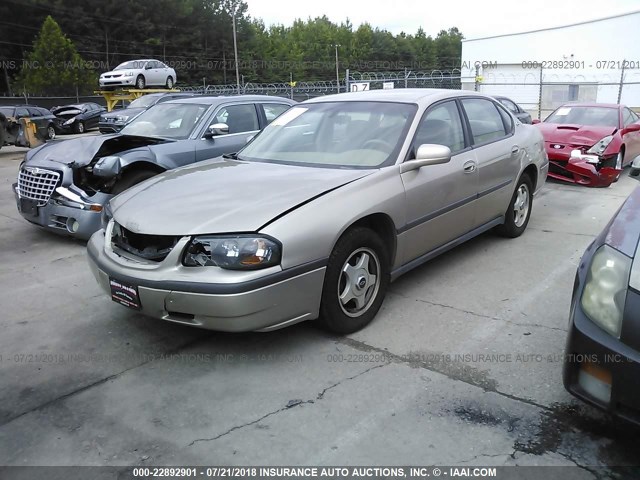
pixel 469 167
pixel 515 149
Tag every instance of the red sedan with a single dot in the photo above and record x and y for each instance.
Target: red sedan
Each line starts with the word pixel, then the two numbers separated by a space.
pixel 590 143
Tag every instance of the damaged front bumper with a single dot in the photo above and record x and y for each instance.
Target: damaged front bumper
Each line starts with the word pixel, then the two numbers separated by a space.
pixel 65 210
pixel 584 169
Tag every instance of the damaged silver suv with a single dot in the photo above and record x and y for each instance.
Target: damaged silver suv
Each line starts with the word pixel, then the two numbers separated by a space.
pixel 63 186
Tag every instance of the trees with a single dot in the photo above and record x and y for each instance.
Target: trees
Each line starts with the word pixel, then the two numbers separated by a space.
pixel 195 37
pixel 54 67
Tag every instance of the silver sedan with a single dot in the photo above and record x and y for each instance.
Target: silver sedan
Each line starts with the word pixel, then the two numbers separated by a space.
pixel 336 198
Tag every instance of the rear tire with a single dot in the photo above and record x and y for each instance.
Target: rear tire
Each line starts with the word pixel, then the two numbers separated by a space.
pixel 517 216
pixel 130 179
pixel 140 82
pixel 169 83
pixel 355 282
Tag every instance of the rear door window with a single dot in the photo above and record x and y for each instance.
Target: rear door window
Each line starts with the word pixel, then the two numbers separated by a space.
pixel 484 119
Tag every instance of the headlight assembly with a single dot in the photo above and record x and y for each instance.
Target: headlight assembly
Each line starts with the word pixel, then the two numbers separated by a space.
pixel 601 145
pixel 69 122
pixel 605 290
pixel 233 252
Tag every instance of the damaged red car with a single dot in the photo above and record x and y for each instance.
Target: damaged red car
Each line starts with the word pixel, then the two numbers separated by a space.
pixel 590 143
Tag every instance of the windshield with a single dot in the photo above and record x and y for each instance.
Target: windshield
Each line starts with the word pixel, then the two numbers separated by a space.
pixel 168 120
pixel 345 134
pixel 595 116
pixel 132 65
pixel 144 101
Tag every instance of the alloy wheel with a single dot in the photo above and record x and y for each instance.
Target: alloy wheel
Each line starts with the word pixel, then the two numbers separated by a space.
pixel 521 205
pixel 359 282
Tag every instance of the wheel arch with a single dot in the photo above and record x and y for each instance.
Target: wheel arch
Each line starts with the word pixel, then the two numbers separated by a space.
pixel 532 172
pixel 141 165
pixel 383 225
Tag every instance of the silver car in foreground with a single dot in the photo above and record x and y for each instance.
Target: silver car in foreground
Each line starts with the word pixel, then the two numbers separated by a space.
pixel 312 219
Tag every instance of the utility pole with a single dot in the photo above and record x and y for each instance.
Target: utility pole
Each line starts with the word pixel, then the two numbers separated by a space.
pixel 235 48
pixel 337 73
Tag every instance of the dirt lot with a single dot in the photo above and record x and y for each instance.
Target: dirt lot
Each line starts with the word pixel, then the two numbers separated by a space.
pixel 83 380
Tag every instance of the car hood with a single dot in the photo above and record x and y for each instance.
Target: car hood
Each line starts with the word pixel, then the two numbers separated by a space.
pixel 581 135
pixel 223 196
pixel 129 112
pixel 120 72
pixel 66 111
pixel 623 232
pixel 79 152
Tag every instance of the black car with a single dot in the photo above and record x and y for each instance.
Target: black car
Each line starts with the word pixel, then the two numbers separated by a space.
pixel 112 122
pixel 602 357
pixel 78 118
pixel 45 121
pixel 516 109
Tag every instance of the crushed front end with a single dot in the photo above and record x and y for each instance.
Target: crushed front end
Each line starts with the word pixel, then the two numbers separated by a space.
pixel 592 166
pixel 46 196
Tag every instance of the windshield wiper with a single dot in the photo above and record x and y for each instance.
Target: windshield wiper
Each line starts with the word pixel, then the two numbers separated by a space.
pixel 232 156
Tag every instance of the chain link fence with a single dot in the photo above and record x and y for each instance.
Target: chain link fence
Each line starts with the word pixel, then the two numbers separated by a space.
pixel 537 91
pixel 542 91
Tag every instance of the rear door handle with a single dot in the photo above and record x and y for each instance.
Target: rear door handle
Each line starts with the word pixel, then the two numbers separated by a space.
pixel 469 167
pixel 515 149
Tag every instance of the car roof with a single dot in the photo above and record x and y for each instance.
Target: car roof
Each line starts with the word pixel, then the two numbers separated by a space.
pixel 402 95
pixel 220 99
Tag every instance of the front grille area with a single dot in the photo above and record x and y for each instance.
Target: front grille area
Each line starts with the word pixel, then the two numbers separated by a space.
pixel 37 184
pixel 150 247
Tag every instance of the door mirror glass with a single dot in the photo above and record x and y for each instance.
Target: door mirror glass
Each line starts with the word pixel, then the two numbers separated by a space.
pixel 427 154
pixel 535 121
pixel 217 129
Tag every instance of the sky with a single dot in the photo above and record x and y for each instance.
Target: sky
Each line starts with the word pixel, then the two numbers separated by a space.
pixel 474 18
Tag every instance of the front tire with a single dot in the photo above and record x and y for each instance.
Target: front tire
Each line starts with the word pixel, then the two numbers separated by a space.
pixel 130 179
pixel 140 82
pixel 79 127
pixel 355 282
pixel 519 211
pixel 51 132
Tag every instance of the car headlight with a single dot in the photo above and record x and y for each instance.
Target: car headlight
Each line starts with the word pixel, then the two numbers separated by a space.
pixel 122 118
pixel 233 252
pixel 601 145
pixel 107 215
pixel 69 122
pixel 605 290
pixel 128 74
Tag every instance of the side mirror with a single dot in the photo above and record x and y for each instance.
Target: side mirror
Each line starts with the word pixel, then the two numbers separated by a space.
pixel 427 154
pixel 535 121
pixel 634 127
pixel 148 66
pixel 635 168
pixel 107 167
pixel 216 129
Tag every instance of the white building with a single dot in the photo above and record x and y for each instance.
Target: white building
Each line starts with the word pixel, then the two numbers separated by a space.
pixel 581 62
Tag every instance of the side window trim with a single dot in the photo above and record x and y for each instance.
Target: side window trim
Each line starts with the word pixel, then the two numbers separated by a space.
pixel 509 116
